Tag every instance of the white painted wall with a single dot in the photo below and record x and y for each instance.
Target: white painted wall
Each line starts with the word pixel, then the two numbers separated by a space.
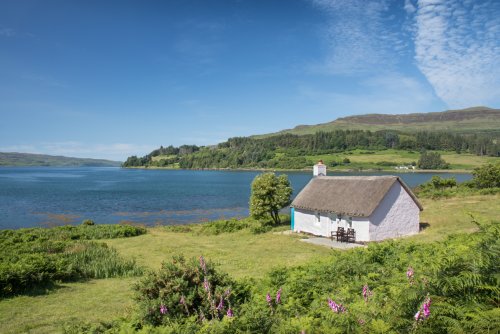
pixel 396 216
pixel 307 221
pixel 361 226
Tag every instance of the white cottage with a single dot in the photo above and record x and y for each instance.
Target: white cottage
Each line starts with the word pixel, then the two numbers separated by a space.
pixel 376 207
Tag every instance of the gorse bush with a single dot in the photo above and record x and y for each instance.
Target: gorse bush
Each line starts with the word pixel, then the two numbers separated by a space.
pixel 34 259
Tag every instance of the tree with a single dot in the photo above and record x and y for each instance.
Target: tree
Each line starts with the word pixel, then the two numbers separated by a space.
pixel 270 193
pixel 432 160
pixel 487 176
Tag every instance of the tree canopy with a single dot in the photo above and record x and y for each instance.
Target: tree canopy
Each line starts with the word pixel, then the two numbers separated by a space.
pixel 432 160
pixel 487 176
pixel 270 193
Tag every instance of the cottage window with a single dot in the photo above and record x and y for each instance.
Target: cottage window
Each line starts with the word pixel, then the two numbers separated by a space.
pixel 349 221
pixel 318 217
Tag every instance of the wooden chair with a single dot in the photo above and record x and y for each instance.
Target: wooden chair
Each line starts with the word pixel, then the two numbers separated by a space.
pixel 350 235
pixel 340 234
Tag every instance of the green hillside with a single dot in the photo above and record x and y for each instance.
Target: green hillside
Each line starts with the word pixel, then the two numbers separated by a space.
pixel 28 159
pixel 470 120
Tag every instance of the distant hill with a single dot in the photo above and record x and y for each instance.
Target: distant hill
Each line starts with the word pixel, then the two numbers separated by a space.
pixel 470 120
pixel 28 159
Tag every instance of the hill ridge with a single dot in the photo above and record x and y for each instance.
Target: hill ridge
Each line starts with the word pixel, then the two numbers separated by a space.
pixel 35 159
pixel 473 119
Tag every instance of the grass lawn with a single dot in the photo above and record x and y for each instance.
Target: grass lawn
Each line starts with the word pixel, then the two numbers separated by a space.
pixel 239 254
pixel 92 301
pixel 451 215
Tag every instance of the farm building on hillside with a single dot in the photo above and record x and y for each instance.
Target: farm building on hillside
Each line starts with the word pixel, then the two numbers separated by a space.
pixel 372 207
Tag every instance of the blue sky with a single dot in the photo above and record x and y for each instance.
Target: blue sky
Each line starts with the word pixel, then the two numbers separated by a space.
pixel 108 79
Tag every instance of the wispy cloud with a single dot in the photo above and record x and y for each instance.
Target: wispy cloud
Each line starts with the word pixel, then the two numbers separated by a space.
pixel 361 36
pixel 113 151
pixel 7 32
pixel 457 48
pixel 388 94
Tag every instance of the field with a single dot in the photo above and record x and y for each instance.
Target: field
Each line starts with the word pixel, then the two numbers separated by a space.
pixel 387 159
pixel 241 254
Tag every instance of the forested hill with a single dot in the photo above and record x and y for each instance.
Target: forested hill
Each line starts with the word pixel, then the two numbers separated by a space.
pixel 28 159
pixel 289 151
pixel 470 120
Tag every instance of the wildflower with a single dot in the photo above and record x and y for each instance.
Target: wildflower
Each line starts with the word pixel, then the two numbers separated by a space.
pixel 163 309
pixel 427 307
pixel 206 285
pixel 303 331
pixel 425 310
pixel 227 293
pixel 182 301
pixel 409 272
pixel 337 308
pixel 203 265
pixel 278 296
pixel 221 304
pixel 268 299
pixel 361 321
pixel 366 292
pixel 230 313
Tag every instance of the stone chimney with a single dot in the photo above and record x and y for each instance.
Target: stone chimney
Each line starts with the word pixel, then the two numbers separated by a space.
pixel 319 169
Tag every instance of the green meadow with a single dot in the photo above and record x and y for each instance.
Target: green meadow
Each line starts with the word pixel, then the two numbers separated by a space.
pixel 388 159
pixel 242 254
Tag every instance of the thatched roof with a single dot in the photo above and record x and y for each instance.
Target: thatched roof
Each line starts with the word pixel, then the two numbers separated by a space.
pixel 355 196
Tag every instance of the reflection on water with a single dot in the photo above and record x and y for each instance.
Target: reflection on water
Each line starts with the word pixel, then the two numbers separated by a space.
pixel 35 196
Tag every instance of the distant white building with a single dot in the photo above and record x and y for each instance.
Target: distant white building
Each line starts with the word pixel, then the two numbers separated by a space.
pixel 376 207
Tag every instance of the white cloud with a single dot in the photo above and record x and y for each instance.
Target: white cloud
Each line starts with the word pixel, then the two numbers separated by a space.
pixel 409 7
pixel 361 36
pixel 113 151
pixel 457 48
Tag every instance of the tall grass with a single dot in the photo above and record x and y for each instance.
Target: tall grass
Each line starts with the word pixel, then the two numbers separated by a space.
pixel 34 259
pixel 97 260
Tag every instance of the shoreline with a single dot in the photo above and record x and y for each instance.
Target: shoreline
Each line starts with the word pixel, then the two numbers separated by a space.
pixel 349 170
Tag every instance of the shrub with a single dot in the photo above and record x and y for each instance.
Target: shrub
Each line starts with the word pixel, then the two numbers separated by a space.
pixel 88 222
pixel 183 289
pixel 431 160
pixel 487 176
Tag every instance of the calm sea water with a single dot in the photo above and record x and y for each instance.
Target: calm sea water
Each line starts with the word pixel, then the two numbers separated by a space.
pixel 43 196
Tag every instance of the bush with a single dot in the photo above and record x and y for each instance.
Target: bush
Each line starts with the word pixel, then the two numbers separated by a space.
pixel 487 176
pixel 183 290
pixel 88 222
pixel 431 160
